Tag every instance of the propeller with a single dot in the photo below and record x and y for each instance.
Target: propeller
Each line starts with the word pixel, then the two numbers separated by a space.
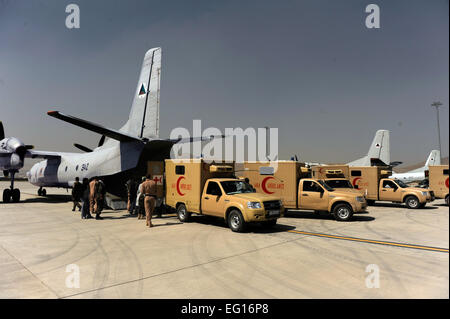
pixel 2 131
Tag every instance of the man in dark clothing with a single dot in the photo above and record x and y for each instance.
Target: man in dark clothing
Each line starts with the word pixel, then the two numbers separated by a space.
pixel 77 192
pixel 85 198
pixel 132 192
pixel 99 196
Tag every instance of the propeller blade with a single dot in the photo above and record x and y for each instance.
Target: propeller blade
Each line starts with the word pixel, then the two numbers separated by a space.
pixel 83 148
pixel 2 131
pixel 102 140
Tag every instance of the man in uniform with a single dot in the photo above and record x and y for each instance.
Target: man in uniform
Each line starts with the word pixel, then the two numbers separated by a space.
pixel 99 193
pixel 77 193
pixel 149 190
pixel 132 192
pixel 92 194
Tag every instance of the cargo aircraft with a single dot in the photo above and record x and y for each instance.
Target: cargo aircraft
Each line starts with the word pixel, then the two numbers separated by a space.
pixel 120 153
pixel 418 175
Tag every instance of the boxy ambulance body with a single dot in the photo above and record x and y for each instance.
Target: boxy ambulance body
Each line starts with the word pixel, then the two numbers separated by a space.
pixel 438 181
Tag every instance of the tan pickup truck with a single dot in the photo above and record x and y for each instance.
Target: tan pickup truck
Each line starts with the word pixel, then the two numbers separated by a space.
pixel 336 176
pixel 374 181
pixel 438 181
pixel 291 181
pixel 194 186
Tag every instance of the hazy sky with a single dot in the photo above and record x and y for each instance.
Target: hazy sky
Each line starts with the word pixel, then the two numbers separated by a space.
pixel 310 68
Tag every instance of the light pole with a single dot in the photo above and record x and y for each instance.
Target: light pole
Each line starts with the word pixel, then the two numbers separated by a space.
pixel 437 105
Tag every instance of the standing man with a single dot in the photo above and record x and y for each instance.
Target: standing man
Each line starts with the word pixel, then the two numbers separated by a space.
pixel 92 195
pixel 140 200
pixel 99 194
pixel 85 199
pixel 132 192
pixel 149 190
pixel 77 192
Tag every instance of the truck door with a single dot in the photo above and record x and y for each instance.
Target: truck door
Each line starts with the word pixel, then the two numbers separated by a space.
pixel 312 196
pixel 389 191
pixel 213 200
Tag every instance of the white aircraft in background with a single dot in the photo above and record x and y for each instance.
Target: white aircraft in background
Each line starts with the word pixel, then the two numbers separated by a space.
pixel 124 153
pixel 378 155
pixel 418 175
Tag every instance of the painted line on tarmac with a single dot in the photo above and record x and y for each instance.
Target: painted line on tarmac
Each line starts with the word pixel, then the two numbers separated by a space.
pixel 371 241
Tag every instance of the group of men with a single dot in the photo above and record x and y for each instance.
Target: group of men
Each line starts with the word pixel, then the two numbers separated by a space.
pixel 91 193
pixel 142 198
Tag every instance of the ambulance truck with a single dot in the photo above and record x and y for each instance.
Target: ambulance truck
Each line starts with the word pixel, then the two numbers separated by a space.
pixel 194 186
pixel 375 182
pixel 438 181
pixel 291 180
pixel 336 176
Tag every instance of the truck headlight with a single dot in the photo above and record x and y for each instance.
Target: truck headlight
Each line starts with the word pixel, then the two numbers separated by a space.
pixel 424 193
pixel 360 199
pixel 254 205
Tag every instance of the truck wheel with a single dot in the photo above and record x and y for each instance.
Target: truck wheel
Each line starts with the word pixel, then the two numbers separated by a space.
pixel 343 212
pixel 183 215
pixel 412 202
pixel 446 200
pixel 236 221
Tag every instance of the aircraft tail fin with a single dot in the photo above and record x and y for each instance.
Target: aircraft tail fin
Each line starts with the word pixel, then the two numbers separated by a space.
pixel 143 121
pixel 379 152
pixel 434 158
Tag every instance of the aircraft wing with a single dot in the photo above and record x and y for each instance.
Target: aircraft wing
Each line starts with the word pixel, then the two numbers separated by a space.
pixel 114 134
pixel 42 154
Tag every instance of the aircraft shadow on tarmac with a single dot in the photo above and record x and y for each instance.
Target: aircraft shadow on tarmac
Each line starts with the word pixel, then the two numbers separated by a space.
pixel 321 216
pixel 49 199
pixel 254 228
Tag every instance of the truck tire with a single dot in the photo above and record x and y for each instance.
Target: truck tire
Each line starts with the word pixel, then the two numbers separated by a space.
pixel 183 215
pixel 236 221
pixel 446 200
pixel 412 202
pixel 343 212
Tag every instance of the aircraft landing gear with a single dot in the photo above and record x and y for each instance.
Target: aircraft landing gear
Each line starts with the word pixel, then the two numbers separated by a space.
pixel 11 194
pixel 42 191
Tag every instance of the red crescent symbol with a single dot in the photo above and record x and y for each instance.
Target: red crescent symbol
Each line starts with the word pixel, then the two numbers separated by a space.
pixel 263 185
pixel 354 182
pixel 446 182
pixel 178 186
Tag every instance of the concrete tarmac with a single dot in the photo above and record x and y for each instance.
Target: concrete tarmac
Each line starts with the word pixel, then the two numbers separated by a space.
pixel 43 244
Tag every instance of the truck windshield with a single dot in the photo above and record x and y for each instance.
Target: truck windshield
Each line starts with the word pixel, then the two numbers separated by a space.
pixel 328 188
pixel 237 187
pixel 339 183
pixel 400 183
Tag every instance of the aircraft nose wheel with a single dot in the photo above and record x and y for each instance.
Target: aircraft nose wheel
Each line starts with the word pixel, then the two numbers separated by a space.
pixel 11 195
pixel 42 192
